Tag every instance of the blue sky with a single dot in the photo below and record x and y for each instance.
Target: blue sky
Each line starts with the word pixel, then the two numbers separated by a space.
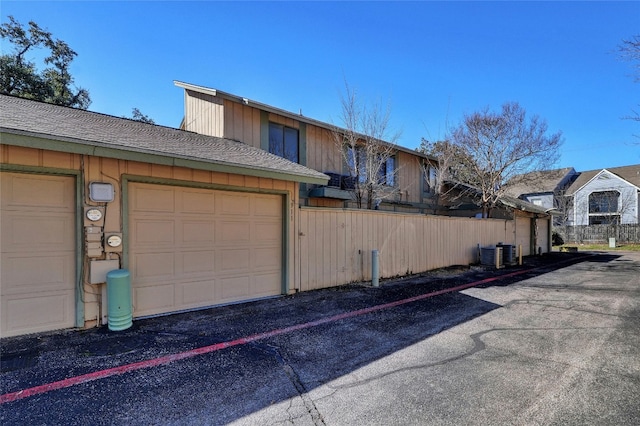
pixel 432 62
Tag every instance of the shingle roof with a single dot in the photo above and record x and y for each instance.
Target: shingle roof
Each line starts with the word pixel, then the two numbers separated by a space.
pixel 538 182
pixel 629 173
pixel 53 122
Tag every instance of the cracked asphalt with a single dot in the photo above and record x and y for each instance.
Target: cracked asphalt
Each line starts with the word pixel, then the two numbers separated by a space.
pixel 555 345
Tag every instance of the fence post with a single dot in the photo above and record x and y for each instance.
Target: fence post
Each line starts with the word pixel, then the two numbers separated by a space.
pixel 520 255
pixel 375 277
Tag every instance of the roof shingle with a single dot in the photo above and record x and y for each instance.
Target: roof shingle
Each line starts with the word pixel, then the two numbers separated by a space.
pixel 23 116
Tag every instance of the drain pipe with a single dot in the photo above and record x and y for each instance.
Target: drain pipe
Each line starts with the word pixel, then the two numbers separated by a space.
pixel 375 276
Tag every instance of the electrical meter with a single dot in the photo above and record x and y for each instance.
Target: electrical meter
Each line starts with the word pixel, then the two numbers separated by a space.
pixel 114 240
pixel 94 215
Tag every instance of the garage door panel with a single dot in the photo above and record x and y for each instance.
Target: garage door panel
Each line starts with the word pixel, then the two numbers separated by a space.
pixel 154 299
pixel 234 232
pixel 28 273
pixel 266 258
pixel 154 265
pixel 265 284
pixel 198 262
pixel 31 314
pixel 221 245
pixel 197 232
pixel 231 260
pixel 153 199
pixel 200 201
pixel 53 231
pixel 236 205
pixel 269 207
pixel 234 288
pixel 196 292
pixel 55 193
pixel 153 232
pixel 267 232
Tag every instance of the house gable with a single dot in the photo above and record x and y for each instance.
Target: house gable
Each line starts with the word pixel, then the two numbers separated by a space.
pixel 605 197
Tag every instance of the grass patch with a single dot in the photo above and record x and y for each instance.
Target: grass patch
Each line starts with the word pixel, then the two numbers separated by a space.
pixel 601 247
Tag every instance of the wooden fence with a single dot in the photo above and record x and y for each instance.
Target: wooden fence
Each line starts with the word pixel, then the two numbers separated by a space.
pixel 335 245
pixel 628 233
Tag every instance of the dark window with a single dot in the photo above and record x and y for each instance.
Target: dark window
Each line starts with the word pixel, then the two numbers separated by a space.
pixel 603 202
pixel 283 142
pixel 429 177
pixel 386 172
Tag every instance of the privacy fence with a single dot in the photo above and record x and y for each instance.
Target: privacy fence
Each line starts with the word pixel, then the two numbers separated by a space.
pixel 601 233
pixel 335 245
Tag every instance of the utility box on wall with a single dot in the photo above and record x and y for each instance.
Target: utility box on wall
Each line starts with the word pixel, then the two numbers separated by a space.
pixel 98 270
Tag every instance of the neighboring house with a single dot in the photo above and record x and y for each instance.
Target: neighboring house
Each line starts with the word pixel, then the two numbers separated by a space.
pixel 543 188
pixel 605 196
pixel 203 220
pixel 310 143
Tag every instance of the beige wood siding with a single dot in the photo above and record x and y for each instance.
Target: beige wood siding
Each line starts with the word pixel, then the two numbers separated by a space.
pixel 543 235
pixel 242 123
pixel 335 245
pixel 192 248
pixel 408 177
pixel 322 153
pixel 37 282
pixel 203 114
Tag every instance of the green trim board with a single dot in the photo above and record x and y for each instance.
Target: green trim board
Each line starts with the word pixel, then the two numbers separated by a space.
pixel 79 255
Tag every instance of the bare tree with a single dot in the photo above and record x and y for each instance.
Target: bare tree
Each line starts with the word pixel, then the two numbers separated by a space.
pixel 493 149
pixel 368 150
pixel 441 177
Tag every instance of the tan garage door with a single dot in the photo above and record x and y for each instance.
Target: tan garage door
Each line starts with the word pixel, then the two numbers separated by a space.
pixel 37 216
pixel 192 248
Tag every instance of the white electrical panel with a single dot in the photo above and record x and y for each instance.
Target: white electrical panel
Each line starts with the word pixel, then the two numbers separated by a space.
pixel 98 270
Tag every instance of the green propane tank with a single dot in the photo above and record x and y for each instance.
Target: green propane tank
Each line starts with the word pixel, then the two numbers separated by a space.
pixel 120 312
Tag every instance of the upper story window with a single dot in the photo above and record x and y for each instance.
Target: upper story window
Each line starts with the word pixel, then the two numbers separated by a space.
pixel 284 142
pixel 604 202
pixel 358 163
pixel 429 178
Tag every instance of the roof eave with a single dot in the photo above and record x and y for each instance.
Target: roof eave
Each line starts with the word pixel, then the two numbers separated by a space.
pixel 83 147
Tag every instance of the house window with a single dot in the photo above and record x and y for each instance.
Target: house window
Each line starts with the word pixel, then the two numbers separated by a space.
pixel 604 202
pixel 357 163
pixel 283 142
pixel 429 178
pixel 536 201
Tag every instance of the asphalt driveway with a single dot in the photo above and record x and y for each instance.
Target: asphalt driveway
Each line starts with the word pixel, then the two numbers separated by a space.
pixel 556 341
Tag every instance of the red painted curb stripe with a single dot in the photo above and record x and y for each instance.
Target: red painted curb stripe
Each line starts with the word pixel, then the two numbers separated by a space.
pixel 101 374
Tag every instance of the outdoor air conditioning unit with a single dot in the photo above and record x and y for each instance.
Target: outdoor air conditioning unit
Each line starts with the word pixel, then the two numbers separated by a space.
pixel 508 254
pixel 491 256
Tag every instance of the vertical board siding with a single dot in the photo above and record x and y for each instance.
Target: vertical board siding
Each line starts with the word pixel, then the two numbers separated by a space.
pixel 203 114
pixel 335 245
